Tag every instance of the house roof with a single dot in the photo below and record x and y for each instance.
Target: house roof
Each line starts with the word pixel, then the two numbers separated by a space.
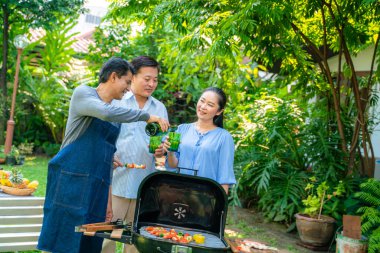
pixel 78 66
pixel 81 44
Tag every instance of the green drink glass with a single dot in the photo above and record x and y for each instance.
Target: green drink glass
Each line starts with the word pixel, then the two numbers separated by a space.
pixel 154 143
pixel 174 139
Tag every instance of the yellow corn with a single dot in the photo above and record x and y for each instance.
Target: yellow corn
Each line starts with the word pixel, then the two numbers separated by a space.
pixel 198 238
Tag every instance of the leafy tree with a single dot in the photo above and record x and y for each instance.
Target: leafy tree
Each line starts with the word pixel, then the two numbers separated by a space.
pixel 293 39
pixel 18 17
pixel 180 84
pixel 298 35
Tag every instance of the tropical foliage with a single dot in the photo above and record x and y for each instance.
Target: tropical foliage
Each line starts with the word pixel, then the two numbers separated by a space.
pixel 292 112
pixel 319 195
pixel 318 118
pixel 17 17
pixel 49 83
pixel 369 196
pixel 269 131
pixel 293 34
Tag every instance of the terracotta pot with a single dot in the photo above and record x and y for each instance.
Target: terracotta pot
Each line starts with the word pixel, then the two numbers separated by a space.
pixel 313 231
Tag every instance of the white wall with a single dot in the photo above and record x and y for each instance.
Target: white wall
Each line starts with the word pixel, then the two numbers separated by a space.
pixel 375 137
pixel 96 9
pixel 362 61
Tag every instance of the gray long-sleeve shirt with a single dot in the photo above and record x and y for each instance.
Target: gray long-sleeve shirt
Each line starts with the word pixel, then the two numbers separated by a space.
pixel 86 104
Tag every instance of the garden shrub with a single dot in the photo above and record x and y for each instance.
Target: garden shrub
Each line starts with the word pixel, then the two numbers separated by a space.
pixel 369 196
pixel 275 165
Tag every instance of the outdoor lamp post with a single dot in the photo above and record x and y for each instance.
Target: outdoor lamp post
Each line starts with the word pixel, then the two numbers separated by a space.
pixel 20 41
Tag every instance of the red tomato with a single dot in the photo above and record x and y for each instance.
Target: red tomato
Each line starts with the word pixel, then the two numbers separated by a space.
pixel 168 236
pixel 183 240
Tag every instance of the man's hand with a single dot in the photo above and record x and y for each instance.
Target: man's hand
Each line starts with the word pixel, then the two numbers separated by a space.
pixel 160 151
pixel 117 162
pixel 109 213
pixel 165 145
pixel 164 124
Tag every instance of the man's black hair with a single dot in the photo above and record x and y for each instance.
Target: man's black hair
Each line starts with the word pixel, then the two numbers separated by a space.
pixel 144 61
pixel 116 64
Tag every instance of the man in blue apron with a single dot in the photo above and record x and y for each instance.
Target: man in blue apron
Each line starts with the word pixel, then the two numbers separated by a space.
pixel 79 176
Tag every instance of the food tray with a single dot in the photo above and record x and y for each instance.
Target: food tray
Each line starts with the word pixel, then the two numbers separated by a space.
pixel 17 191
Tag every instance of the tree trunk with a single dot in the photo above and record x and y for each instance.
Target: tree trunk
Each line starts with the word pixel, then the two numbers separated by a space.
pixel 322 61
pixel 3 73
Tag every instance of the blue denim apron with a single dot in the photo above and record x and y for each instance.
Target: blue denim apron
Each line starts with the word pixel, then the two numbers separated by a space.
pixel 77 190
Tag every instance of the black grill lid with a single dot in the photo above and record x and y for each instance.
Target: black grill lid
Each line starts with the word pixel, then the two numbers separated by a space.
pixel 181 200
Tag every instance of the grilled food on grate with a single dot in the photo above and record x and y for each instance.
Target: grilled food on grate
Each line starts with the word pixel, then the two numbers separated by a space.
pixel 172 234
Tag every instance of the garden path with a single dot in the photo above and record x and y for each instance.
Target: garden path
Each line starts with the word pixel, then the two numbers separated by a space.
pixel 250 224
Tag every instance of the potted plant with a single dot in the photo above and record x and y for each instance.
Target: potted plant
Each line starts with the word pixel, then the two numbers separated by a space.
pixel 2 155
pixel 314 228
pixel 12 156
pixel 24 150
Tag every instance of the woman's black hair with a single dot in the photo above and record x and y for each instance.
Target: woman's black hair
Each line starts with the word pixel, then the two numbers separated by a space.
pixel 218 119
pixel 116 64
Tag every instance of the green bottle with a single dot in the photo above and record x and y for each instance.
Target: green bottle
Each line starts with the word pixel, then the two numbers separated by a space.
pixel 153 129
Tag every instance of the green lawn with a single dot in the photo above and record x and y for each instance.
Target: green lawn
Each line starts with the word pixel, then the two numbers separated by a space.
pixel 34 168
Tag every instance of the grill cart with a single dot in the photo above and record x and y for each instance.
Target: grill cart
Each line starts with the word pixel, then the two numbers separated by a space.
pixel 188 204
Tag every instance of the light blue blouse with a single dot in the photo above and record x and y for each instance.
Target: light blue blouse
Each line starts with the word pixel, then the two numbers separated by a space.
pixel 211 153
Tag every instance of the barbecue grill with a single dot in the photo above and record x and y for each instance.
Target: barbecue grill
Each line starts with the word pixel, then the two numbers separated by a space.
pixel 188 204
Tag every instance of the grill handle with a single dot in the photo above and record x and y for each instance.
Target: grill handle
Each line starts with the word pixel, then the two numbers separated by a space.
pixel 177 249
pixel 194 170
pixel 160 250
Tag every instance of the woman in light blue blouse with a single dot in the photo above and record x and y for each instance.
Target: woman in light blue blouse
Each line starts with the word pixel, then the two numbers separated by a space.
pixel 205 146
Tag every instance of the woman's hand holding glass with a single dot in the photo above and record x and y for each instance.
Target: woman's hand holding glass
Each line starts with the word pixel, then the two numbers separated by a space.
pixel 171 142
pixel 172 159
